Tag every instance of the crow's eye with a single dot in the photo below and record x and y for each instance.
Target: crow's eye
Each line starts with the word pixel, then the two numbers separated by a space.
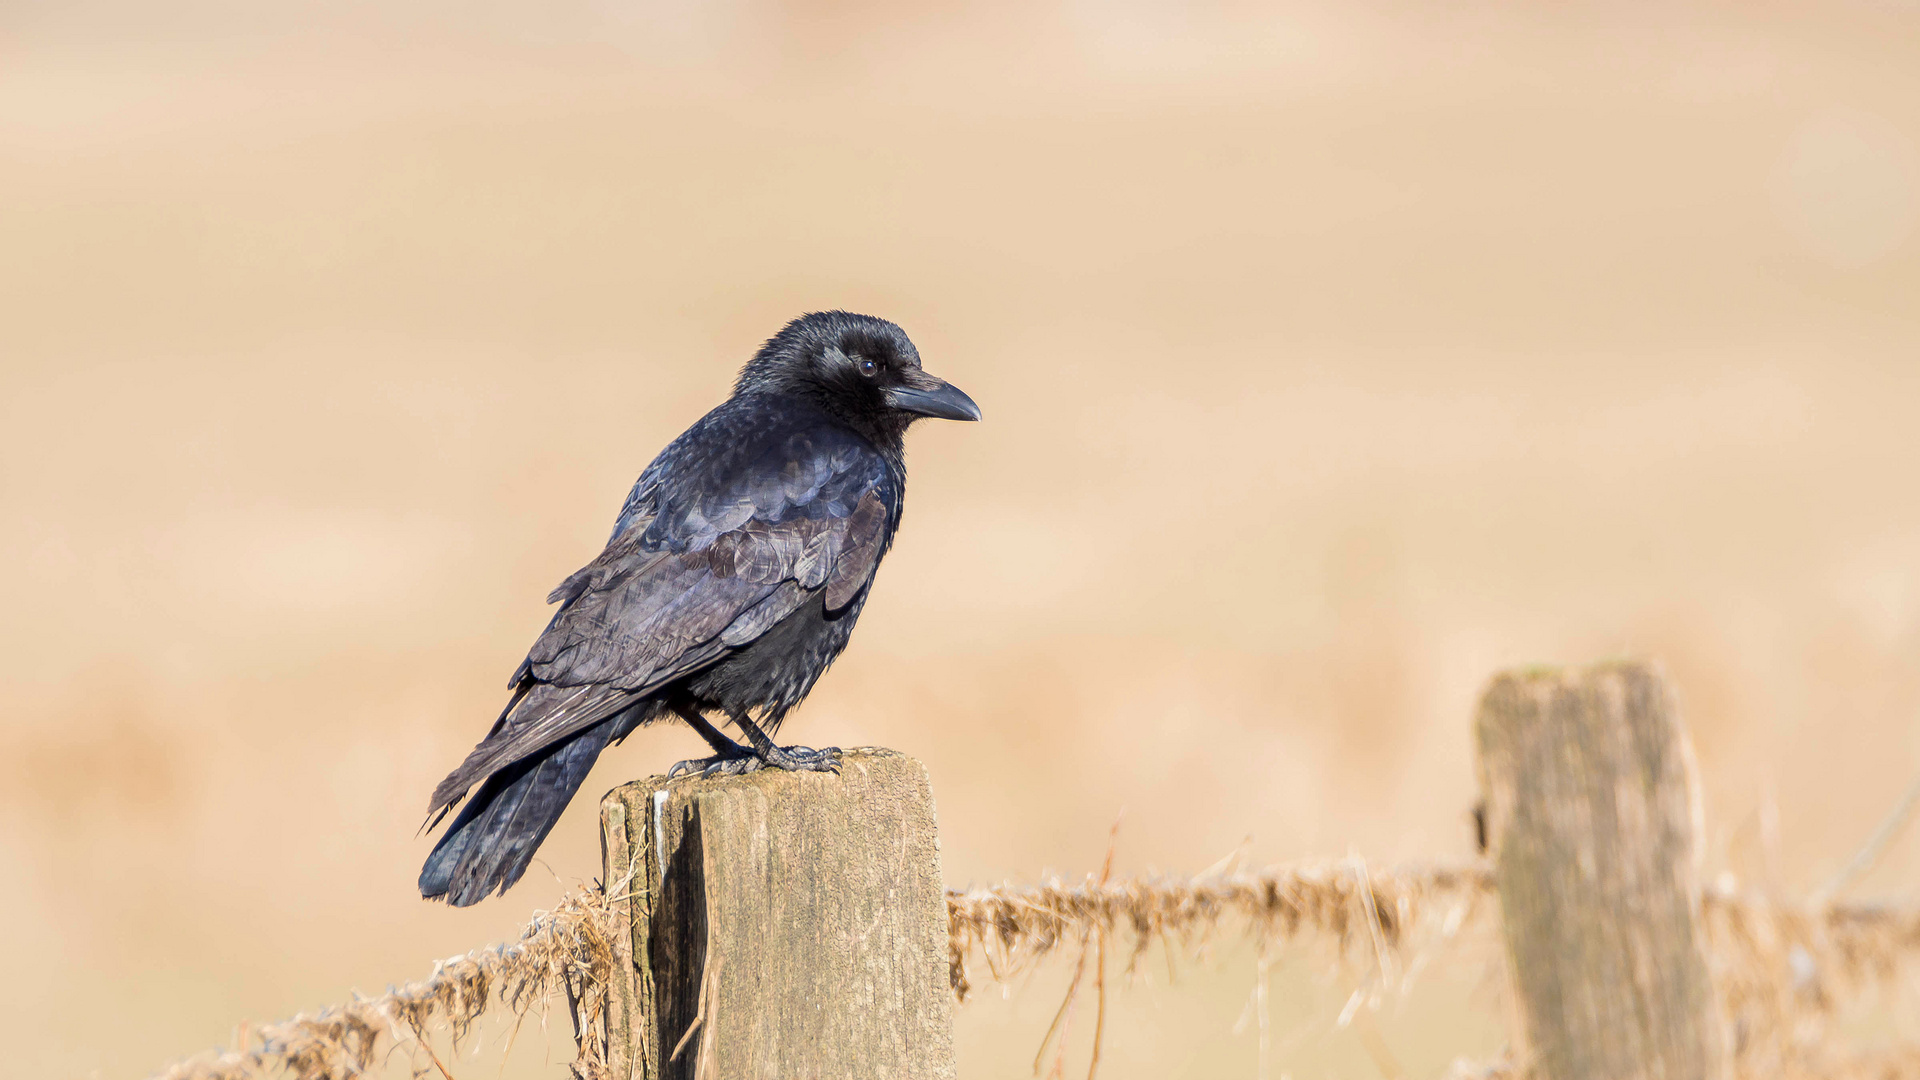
pixel 869 368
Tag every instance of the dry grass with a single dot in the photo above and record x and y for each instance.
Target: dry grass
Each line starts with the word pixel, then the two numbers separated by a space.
pixel 1783 972
pixel 563 951
pixel 1344 903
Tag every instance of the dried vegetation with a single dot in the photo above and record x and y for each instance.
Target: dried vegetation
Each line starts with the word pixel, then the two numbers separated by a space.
pixel 563 953
pixel 1783 972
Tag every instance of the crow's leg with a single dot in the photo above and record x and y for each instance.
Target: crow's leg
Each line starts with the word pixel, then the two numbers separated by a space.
pixel 790 758
pixel 726 752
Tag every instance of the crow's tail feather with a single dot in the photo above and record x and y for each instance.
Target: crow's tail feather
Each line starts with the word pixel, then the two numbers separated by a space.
pixel 489 845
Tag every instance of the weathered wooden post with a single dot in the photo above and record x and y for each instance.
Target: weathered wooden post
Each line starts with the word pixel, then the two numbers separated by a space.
pixel 1591 824
pixel 784 926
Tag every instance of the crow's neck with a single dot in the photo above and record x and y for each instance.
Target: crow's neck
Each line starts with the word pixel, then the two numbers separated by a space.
pixel 886 429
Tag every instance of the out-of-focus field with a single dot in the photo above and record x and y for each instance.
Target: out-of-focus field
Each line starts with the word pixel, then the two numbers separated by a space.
pixel 1332 358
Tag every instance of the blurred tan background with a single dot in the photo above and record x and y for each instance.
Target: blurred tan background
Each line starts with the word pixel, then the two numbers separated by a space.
pixel 1333 357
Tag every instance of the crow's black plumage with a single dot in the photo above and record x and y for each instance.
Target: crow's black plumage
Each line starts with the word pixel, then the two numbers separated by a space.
pixel 734 575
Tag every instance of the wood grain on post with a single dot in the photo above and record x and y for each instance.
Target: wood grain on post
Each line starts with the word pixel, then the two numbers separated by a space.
pixel 1591 824
pixel 784 925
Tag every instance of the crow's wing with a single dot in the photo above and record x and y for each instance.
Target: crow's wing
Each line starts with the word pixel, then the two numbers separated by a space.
pixel 694 575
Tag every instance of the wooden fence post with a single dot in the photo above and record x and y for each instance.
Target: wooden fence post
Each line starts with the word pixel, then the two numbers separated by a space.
pixel 784 926
pixel 1590 809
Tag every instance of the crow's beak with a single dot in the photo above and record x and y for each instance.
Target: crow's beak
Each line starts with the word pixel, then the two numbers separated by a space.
pixel 941 400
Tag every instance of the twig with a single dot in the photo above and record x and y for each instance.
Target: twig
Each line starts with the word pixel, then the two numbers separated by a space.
pixel 1100 960
pixel 1869 854
pixel 709 1062
pixel 1382 958
pixel 700 1014
pixel 421 1037
pixel 1377 1049
pixel 1264 967
pixel 1064 1013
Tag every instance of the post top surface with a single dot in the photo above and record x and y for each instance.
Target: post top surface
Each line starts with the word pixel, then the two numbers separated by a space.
pixel 1554 674
pixel 691 784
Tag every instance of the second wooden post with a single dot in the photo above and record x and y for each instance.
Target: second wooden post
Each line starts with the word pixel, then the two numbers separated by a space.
pixel 1591 824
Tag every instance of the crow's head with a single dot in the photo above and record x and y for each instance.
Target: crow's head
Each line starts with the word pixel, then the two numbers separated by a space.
pixel 857 367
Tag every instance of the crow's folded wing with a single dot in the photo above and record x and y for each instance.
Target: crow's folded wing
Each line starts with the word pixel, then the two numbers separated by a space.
pixel 693 576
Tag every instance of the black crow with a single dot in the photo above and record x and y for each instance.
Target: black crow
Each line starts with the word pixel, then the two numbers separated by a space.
pixel 734 575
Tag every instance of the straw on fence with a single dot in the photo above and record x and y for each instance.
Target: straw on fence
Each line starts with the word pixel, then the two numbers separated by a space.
pixel 563 952
pixel 1780 970
pixel 1344 903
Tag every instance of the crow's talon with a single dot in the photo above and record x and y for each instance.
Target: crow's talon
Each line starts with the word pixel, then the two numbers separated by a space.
pixel 789 758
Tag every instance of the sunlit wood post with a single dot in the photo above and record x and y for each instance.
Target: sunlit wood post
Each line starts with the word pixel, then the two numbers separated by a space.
pixel 1591 823
pixel 782 925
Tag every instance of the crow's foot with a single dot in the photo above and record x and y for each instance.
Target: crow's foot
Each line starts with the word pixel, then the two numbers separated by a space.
pixel 803 758
pixel 729 764
pixel 790 758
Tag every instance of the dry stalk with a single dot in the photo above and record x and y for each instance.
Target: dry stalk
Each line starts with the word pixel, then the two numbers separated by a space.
pixel 1781 971
pixel 563 951
pixel 1012 928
